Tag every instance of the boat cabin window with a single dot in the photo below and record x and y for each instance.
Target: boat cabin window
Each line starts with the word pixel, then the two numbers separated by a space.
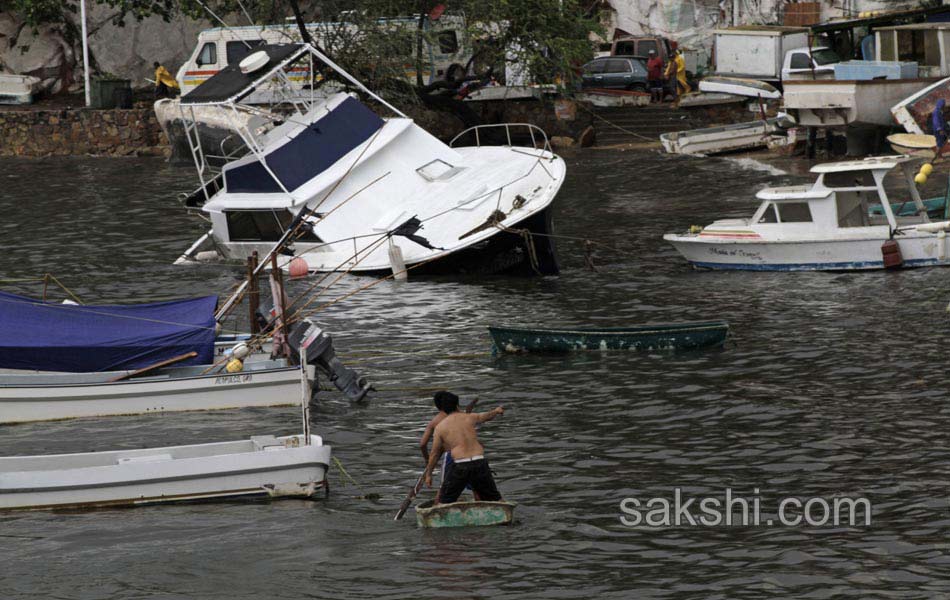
pixel 769 215
pixel 848 179
pixel 237 51
pixel 261 226
pixel 919 46
pixel 208 54
pixel 794 212
pixel 852 209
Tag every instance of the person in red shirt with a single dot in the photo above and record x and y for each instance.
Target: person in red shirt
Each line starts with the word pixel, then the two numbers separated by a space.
pixel 655 76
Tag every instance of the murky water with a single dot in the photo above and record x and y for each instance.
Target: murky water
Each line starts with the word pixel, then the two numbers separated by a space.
pixel 833 385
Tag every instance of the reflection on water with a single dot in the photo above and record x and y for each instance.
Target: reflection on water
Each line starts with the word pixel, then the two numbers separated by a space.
pixel 833 384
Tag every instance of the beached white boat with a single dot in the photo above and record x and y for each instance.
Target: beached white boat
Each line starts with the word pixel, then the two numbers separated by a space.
pixel 54 396
pixel 831 103
pixel 914 111
pixel 262 466
pixel 367 194
pixel 17 89
pixel 738 86
pixel 824 226
pixel 694 99
pixel 727 138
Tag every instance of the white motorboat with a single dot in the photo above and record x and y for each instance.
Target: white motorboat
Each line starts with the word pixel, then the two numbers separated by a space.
pixel 828 225
pixel 262 466
pixel 367 194
pixel 63 361
pixel 831 103
pixel 18 89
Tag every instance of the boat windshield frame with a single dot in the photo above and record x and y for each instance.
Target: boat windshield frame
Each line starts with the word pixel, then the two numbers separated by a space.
pixel 232 107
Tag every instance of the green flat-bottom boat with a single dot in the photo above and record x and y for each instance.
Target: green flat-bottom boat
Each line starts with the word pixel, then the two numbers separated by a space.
pixel 465 514
pixel 669 336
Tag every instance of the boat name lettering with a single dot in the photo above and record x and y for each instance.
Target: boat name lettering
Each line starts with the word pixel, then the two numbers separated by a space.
pixel 236 378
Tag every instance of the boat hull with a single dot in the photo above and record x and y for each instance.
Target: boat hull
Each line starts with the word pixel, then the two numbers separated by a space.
pixel 25 402
pixel 813 255
pixel 715 140
pixel 658 337
pixel 914 112
pixel 465 514
pixel 264 467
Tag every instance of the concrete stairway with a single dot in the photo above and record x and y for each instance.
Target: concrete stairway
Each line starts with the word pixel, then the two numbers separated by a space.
pixel 639 124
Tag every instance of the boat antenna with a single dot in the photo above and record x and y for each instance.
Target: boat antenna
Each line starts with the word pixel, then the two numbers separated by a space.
pixel 246 14
pixel 223 23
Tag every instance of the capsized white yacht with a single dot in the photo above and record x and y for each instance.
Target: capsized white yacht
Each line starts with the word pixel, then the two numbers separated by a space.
pixel 831 225
pixel 364 193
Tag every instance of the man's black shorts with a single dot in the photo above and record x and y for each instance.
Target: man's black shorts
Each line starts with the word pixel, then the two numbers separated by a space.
pixel 475 473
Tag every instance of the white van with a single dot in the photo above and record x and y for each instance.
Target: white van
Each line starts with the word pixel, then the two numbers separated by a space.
pixel 219 47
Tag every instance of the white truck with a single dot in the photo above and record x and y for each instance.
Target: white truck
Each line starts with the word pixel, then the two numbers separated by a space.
pixel 756 51
pixel 809 64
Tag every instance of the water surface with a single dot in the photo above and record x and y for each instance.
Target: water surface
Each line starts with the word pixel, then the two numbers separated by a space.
pixel 833 384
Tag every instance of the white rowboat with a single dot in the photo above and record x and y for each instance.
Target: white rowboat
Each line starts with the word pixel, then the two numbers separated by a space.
pixel 54 396
pixel 263 466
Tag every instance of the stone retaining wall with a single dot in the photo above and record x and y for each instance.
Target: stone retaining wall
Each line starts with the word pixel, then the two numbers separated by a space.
pixel 77 132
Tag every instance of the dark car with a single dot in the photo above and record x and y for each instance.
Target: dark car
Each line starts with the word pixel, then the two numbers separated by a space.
pixel 616 72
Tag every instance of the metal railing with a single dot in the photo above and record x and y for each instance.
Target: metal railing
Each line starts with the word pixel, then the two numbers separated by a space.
pixel 533 130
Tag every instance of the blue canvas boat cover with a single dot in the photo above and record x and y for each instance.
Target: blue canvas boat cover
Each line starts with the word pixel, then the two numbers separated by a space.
pixel 313 150
pixel 78 338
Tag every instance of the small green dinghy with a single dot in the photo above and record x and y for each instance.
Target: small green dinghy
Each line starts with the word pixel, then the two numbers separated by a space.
pixel 670 336
pixel 465 514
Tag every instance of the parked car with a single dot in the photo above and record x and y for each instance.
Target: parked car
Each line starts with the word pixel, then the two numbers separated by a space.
pixel 616 72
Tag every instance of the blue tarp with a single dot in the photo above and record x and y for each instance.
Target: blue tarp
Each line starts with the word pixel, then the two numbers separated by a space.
pixel 79 338
pixel 312 151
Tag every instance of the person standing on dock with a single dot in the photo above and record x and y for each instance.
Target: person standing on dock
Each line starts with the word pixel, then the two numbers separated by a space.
pixel 655 76
pixel 682 86
pixel 456 434
pixel 165 84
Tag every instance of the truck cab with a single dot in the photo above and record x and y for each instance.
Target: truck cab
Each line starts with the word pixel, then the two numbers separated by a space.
pixel 809 63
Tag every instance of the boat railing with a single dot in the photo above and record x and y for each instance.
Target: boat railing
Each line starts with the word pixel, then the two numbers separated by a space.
pixel 533 130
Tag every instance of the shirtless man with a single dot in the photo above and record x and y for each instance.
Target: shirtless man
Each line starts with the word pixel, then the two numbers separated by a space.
pixel 456 434
pixel 430 430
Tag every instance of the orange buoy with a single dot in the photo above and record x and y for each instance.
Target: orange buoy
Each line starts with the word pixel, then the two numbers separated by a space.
pixel 891 252
pixel 298 268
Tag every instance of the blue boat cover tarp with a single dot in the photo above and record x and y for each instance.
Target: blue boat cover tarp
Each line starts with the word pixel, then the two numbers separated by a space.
pixel 78 338
pixel 312 151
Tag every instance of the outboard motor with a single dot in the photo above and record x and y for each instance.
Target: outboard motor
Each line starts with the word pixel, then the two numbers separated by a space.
pixel 318 347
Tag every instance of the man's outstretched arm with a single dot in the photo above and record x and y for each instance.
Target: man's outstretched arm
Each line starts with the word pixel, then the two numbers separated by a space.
pixel 488 416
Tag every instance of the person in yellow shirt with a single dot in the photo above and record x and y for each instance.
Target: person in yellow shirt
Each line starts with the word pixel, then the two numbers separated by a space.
pixel 165 84
pixel 682 87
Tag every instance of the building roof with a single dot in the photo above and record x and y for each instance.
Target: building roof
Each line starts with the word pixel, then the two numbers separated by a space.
pixel 915 26
pixel 888 18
